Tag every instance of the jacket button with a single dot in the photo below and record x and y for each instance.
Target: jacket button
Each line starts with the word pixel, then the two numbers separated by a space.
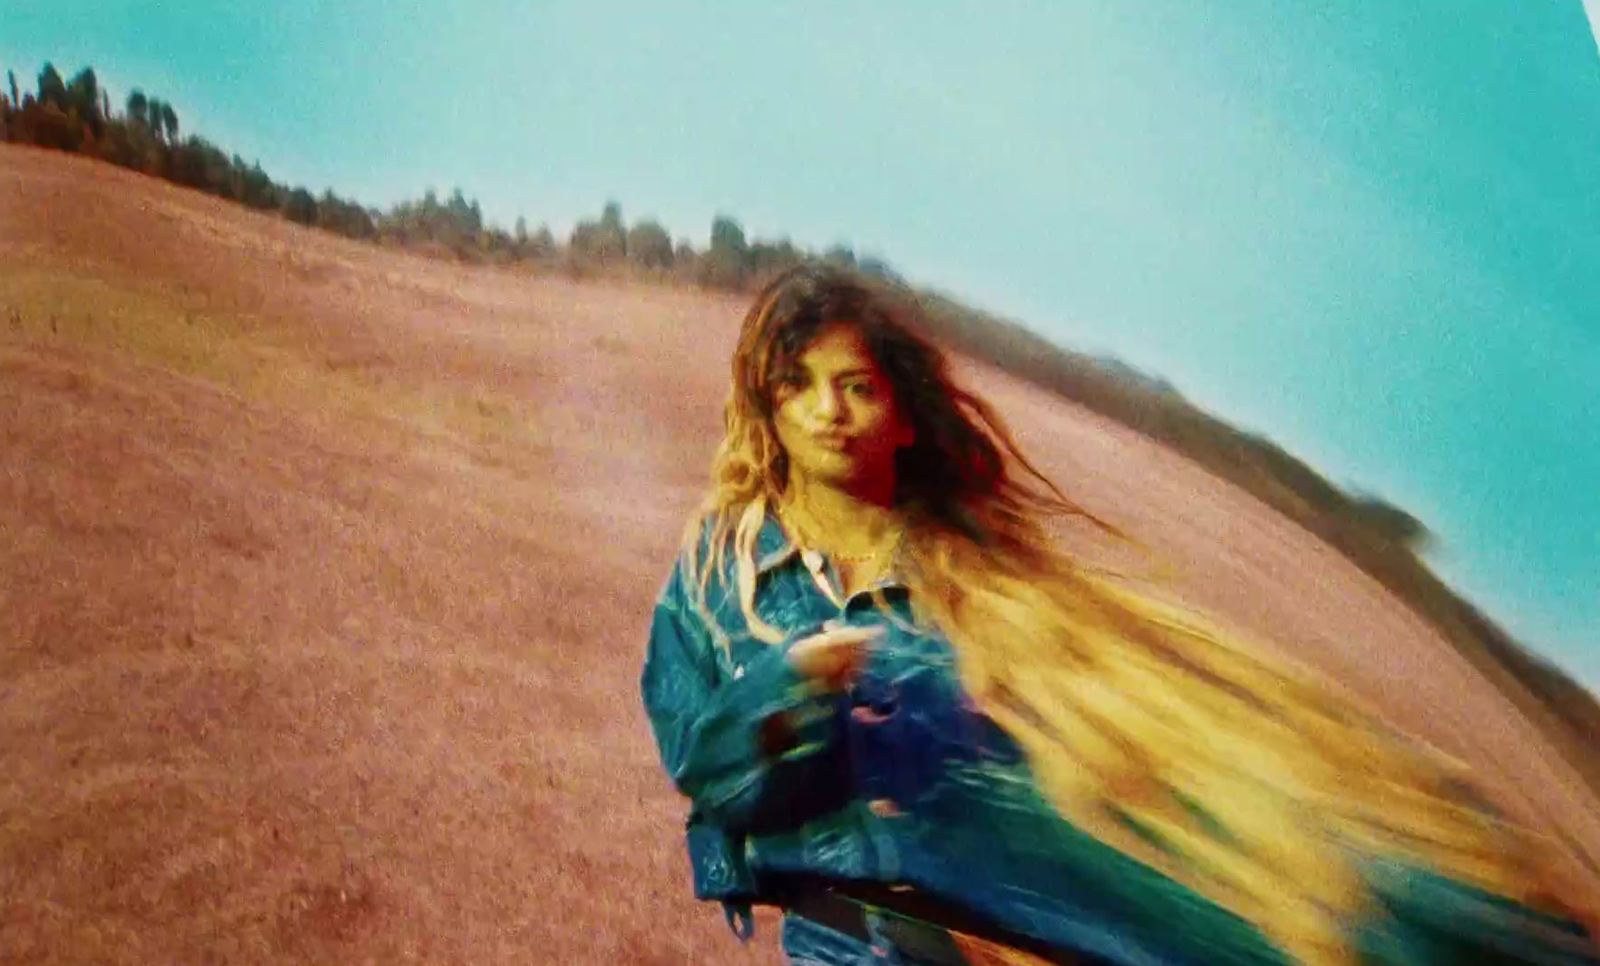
pixel 884 807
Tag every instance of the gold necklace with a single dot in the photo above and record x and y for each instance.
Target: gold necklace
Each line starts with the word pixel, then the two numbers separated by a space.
pixel 857 557
pixel 845 557
pixel 891 546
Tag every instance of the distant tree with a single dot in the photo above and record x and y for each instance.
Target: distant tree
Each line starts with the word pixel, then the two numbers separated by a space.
pixel 344 217
pixel 83 96
pixel 254 187
pixel 169 122
pixel 592 242
pixel 500 245
pixel 152 117
pixel 535 244
pixel 138 105
pixel 649 245
pixel 603 242
pixel 768 259
pixel 456 224
pixel 542 243
pixel 725 262
pixel 47 125
pixel 328 210
pixel 51 88
pixel 842 255
pixel 129 145
pixel 301 206
pixel 878 268
pixel 208 168
pixel 727 235
pixel 11 78
pixel 463 210
pixel 1390 521
pixel 686 262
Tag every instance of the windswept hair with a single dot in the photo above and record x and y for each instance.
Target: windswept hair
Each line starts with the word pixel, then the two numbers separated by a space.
pixel 1144 724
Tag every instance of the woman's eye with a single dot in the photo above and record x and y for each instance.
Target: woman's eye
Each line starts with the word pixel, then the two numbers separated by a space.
pixel 862 389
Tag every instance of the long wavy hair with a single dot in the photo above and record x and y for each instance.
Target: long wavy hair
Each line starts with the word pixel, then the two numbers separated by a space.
pixel 1143 723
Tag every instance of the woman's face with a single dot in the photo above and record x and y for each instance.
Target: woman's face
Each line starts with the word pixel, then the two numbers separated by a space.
pixel 835 414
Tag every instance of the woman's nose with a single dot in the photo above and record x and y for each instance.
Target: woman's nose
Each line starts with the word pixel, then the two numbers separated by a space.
pixel 827 403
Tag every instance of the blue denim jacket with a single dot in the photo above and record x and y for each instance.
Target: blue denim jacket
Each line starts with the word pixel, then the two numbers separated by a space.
pixel 932 794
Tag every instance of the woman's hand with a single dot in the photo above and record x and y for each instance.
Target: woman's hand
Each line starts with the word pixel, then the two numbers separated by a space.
pixel 834 657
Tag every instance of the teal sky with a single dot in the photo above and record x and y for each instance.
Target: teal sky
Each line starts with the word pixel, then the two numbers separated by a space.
pixel 1368 230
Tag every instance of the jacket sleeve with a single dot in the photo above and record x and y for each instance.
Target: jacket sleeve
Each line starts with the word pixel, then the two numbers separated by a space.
pixel 755 752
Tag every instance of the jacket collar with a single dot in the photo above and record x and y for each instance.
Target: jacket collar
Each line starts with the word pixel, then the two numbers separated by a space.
pixel 774 547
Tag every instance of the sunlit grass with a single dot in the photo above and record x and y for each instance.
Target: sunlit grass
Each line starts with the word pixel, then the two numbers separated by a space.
pixel 160 326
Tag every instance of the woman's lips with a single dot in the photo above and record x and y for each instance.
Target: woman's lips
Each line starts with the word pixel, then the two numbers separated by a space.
pixel 833 441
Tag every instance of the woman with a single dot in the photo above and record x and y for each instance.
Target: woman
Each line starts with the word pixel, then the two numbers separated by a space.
pixel 906 717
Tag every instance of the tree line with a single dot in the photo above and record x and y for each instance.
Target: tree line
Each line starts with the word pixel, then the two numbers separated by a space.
pixel 77 115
